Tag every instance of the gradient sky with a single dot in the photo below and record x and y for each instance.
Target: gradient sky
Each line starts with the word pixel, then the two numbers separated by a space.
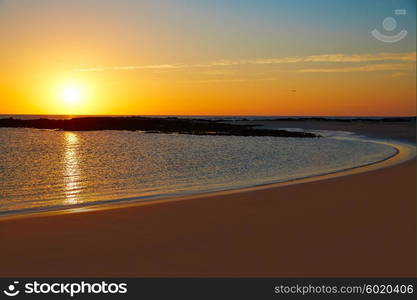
pixel 228 57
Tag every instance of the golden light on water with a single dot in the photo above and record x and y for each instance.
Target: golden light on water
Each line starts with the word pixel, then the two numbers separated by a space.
pixel 72 171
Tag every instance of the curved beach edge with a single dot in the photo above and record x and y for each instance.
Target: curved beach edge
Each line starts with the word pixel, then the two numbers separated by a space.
pixel 346 226
pixel 404 152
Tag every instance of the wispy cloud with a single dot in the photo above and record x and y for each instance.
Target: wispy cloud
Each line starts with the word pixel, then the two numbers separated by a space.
pixel 127 68
pixel 398 74
pixel 367 68
pixel 332 58
pixel 233 80
pixel 323 58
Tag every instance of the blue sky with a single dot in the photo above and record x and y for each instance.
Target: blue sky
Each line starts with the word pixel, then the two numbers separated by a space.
pixel 222 28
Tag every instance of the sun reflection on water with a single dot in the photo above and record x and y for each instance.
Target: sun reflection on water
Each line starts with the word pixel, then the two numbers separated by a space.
pixel 72 172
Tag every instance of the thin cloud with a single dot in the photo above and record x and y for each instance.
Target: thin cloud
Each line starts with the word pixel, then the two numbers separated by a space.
pixel 367 68
pixel 332 58
pixel 232 80
pixel 398 74
pixel 127 68
pixel 324 58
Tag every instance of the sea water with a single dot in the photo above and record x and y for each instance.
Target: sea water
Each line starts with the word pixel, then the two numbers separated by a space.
pixel 51 169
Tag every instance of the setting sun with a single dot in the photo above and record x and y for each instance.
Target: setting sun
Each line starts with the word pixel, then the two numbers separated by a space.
pixel 71 95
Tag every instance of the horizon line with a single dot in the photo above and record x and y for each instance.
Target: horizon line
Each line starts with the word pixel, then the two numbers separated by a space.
pixel 213 115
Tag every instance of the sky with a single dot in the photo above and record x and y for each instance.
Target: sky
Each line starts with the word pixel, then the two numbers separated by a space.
pixel 228 57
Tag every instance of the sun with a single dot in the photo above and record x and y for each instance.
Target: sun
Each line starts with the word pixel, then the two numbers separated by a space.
pixel 71 94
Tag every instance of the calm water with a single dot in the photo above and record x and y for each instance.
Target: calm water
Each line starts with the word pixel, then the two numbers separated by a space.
pixel 54 169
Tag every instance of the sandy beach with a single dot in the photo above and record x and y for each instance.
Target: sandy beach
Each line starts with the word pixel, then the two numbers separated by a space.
pixel 358 225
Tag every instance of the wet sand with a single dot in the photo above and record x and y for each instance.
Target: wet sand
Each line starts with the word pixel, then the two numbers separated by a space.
pixel 360 225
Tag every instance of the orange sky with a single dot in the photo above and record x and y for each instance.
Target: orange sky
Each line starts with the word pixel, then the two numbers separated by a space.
pixel 119 63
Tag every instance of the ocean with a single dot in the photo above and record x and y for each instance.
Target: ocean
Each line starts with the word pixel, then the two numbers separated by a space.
pixel 52 169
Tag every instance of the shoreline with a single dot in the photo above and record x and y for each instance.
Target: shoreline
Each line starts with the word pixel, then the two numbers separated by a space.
pixel 350 229
pixel 404 152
